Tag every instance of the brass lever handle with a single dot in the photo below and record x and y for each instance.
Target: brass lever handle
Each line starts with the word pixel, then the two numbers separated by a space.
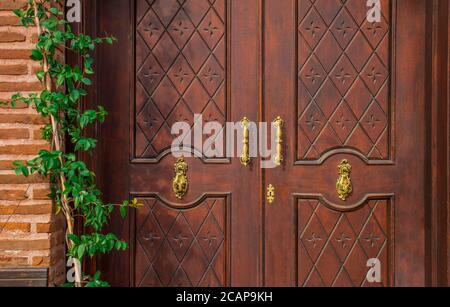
pixel 245 156
pixel 279 123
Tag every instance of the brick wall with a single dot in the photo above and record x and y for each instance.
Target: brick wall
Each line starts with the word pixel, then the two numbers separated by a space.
pixel 31 235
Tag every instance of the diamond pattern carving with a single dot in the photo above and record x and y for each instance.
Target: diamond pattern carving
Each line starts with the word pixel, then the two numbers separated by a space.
pixel 181 74
pixel 374 75
pixel 343 75
pixel 344 28
pixel 375 32
pixel 212 75
pixel 180 67
pixel 212 29
pixel 312 122
pixel 181 113
pixel 165 9
pixel 374 122
pixel 343 122
pixel 150 74
pixel 165 97
pixel 312 28
pixel 212 114
pixel 150 120
pixel 343 80
pixel 150 28
pixel 312 75
pixel 181 247
pixel 181 29
pixel 333 247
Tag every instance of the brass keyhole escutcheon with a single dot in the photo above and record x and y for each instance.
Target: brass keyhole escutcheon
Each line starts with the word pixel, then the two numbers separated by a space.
pixel 270 194
pixel 180 182
pixel 344 185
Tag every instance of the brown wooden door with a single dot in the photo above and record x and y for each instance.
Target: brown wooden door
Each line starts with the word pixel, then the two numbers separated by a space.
pixel 174 59
pixel 345 88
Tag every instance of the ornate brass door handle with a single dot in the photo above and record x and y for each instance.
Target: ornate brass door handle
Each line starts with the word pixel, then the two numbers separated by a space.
pixel 180 182
pixel 245 156
pixel 344 185
pixel 279 123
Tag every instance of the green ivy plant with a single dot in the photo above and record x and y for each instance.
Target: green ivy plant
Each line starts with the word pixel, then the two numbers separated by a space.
pixel 73 186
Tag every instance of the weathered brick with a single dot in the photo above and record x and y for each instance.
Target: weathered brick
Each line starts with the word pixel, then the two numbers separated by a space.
pixel 37 134
pixel 23 86
pixel 40 194
pixel 6 165
pixel 13 194
pixel 15 54
pixel 35 70
pixel 43 227
pixel 15 226
pixel 13 261
pixel 11 134
pixel 32 119
pixel 11 37
pixel 6 5
pixel 7 105
pixel 40 261
pixel 25 209
pixel 34 38
pixel 14 70
pixel 41 244
pixel 14 179
pixel 31 149
pixel 9 21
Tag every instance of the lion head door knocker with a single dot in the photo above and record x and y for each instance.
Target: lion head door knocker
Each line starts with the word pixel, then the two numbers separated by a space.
pixel 344 185
pixel 180 182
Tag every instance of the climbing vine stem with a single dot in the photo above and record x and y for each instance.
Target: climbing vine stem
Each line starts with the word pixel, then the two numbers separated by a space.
pixel 73 187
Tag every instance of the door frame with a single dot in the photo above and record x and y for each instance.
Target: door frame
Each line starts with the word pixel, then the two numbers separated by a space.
pixel 438 132
pixel 438 76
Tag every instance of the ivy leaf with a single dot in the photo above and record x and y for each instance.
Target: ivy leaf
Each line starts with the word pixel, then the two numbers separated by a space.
pixel 81 250
pixel 88 65
pixel 40 75
pixel 36 55
pixel 86 81
pixel 74 95
pixel 85 144
pixel 97 275
pixel 18 12
pixel 123 212
pixel 74 238
pixel 109 40
pixel 21 169
pixel 124 245
pixel 54 10
pixel 60 80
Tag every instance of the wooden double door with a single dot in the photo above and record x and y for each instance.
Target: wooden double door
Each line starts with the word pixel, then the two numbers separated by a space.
pixel 351 94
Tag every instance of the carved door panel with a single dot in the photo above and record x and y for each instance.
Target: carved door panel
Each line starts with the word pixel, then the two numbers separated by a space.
pixel 351 90
pixel 182 58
